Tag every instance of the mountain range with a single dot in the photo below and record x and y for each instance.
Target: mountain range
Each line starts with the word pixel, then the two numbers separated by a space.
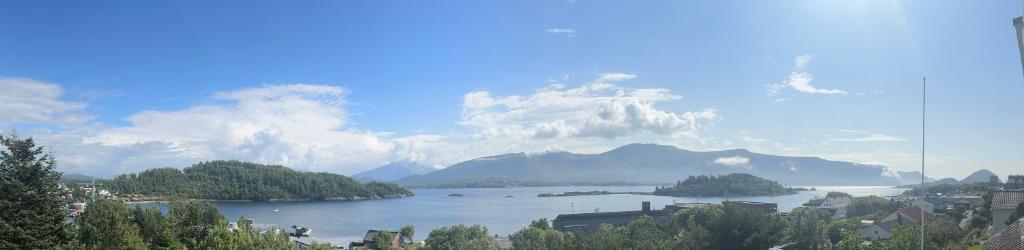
pixel 393 171
pixel 654 164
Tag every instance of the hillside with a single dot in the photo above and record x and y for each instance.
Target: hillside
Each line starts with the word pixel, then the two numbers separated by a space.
pixel 652 164
pixel 394 171
pixel 979 176
pixel 77 178
pixel 235 180
pixel 725 185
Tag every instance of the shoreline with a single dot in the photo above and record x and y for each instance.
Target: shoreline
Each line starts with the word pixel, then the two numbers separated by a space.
pixel 160 199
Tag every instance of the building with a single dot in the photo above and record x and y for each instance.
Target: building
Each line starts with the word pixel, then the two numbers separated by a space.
pixel 78 207
pixel 306 243
pixel 836 206
pixel 1010 238
pixel 1004 202
pixel 908 216
pixel 924 204
pixel 1015 182
pixel 764 207
pixel 591 221
pixel 877 231
pixel 368 240
pixel 914 215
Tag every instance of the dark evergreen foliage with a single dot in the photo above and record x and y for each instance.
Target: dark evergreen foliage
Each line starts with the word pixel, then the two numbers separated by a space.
pixel 32 205
pixel 236 180
pixel 725 185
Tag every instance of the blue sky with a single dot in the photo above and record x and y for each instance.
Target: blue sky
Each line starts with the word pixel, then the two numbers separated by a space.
pixel 343 86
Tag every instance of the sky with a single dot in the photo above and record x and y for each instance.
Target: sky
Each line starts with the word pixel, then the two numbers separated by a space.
pixel 345 86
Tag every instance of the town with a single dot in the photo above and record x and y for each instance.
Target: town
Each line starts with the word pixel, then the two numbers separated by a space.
pixel 983 209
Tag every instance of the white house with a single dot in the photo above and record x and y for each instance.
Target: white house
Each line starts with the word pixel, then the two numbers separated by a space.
pixel 836 205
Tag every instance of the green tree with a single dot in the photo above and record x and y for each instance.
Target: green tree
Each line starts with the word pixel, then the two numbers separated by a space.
pixel 605 237
pixel 730 227
pixel 192 221
pixel 154 228
pixel 541 223
pixel 407 233
pixel 107 224
pixel 806 228
pixel 645 233
pixel 461 237
pixel 540 236
pixel 382 241
pixel 32 205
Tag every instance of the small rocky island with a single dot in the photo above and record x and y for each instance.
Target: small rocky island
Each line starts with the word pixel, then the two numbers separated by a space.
pixel 731 185
pixel 244 181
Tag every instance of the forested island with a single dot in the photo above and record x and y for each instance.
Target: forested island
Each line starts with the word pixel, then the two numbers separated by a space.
pixel 236 180
pixel 724 185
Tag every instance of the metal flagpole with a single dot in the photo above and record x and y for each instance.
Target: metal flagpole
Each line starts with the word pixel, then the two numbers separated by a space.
pixel 924 98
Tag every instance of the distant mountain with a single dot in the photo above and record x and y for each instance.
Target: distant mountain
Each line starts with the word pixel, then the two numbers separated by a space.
pixel 394 171
pixel 76 178
pixel 978 176
pixel 655 164
pixel 950 181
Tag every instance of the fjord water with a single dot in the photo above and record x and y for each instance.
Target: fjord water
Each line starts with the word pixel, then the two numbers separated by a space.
pixel 345 221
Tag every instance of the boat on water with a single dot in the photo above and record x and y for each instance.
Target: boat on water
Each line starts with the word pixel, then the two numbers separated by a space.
pixel 456 195
pixel 275 210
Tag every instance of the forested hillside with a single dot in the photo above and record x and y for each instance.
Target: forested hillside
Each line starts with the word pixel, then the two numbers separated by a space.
pixel 726 185
pixel 235 180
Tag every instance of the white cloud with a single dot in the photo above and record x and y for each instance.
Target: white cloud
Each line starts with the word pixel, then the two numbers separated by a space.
pixel 733 161
pixel 561 31
pixel 24 100
pixel 800 80
pixel 871 138
pixel 614 77
pixel 307 127
pixel 302 126
pixel 596 110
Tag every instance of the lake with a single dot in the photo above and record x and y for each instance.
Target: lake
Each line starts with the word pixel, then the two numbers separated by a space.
pixel 345 221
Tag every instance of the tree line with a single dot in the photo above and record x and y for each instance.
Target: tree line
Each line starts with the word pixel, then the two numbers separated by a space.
pixel 236 180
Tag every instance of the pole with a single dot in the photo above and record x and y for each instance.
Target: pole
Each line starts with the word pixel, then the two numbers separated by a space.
pixel 924 98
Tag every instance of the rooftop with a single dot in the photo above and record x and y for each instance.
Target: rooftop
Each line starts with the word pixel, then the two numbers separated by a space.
pixel 1002 199
pixel 614 214
pixel 1010 238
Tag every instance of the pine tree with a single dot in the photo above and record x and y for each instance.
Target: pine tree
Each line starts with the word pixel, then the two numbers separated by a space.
pixel 32 205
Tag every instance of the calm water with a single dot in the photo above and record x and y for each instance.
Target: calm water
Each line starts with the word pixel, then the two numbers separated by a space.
pixel 345 221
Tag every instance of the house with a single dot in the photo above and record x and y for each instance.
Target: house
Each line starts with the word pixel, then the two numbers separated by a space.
pixel 836 206
pixel 764 207
pixel 1012 237
pixel 78 207
pixel 591 221
pixel 878 231
pixel 368 240
pixel 925 204
pixel 908 216
pixel 1004 202
pixel 914 215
